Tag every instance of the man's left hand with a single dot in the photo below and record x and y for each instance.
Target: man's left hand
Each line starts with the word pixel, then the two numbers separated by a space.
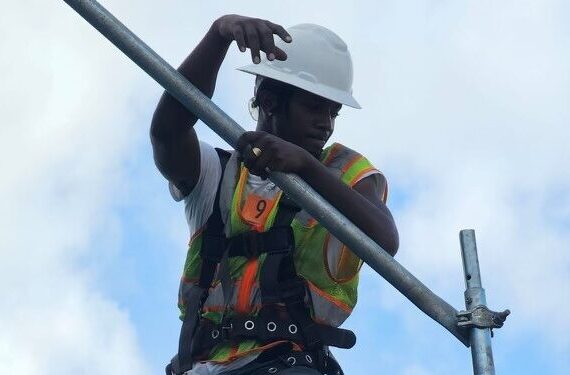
pixel 273 153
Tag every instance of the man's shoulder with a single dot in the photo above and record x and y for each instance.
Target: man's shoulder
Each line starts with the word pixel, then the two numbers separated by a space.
pixel 337 155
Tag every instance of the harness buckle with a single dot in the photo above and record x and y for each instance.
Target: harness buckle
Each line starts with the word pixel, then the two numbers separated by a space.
pixel 227 329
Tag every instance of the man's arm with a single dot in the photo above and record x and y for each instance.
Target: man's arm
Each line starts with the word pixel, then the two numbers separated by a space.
pixel 373 188
pixel 362 205
pixel 174 141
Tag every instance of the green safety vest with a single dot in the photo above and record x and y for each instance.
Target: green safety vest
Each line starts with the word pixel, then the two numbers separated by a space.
pixel 329 268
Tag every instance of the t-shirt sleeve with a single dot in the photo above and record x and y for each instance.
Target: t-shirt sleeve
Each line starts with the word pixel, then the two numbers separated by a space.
pixel 359 168
pixel 200 201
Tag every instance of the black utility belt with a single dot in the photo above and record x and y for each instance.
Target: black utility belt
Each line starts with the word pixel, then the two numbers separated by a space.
pixel 237 328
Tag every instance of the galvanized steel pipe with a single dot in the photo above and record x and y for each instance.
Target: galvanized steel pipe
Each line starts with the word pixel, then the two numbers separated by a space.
pixel 195 101
pixel 480 338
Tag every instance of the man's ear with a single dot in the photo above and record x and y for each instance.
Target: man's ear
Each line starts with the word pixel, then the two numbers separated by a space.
pixel 267 101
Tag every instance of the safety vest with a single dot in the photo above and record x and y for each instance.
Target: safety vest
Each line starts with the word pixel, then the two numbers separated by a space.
pixel 328 268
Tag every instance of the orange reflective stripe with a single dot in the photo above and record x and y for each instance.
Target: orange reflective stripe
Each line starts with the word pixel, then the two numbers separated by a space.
pixel 243 306
pixel 334 149
pixel 355 159
pixel 358 177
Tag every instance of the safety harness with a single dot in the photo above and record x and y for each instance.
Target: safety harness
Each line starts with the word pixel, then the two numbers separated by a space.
pixel 284 315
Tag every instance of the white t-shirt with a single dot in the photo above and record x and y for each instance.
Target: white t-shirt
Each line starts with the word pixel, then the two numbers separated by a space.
pixel 199 203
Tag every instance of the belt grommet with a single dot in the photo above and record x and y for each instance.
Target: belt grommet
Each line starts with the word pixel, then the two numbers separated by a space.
pixel 272 370
pixel 271 326
pixel 292 329
pixel 249 325
pixel 215 334
pixel 309 358
pixel 291 361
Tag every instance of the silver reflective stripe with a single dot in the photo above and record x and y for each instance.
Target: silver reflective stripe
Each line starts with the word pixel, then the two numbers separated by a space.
pixel 304 218
pixel 216 299
pixel 341 157
pixel 187 291
pixel 333 253
pixel 327 312
pixel 216 296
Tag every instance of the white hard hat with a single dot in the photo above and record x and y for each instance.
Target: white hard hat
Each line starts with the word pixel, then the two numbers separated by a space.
pixel 318 61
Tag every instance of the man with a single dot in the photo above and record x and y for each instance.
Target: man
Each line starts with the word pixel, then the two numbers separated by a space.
pixel 264 284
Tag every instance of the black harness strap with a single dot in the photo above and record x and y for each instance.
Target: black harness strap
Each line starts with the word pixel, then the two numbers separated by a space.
pixel 213 247
pixel 252 244
pixel 279 282
pixel 278 265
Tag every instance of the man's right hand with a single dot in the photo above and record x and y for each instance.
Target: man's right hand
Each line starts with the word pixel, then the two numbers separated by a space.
pixel 253 33
pixel 175 143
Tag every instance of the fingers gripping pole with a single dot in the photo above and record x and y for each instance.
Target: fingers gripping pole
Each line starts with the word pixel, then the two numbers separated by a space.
pixel 295 187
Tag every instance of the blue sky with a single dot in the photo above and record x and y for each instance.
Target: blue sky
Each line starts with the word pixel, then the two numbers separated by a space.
pixel 465 110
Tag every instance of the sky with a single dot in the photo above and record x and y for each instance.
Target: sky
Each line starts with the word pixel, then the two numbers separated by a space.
pixel 465 110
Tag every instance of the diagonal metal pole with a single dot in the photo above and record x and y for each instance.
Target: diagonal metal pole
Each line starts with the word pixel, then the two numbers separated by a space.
pixel 195 101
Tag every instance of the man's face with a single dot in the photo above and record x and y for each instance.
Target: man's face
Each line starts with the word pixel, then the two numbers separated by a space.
pixel 309 121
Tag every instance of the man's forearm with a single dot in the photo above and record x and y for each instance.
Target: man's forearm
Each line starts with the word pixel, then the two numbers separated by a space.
pixel 201 69
pixel 373 219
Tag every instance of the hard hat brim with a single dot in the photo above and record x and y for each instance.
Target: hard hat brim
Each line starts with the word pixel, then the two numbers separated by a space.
pixel 326 92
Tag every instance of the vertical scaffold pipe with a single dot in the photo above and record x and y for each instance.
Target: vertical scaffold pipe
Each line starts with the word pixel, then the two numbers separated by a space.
pixel 195 101
pixel 480 338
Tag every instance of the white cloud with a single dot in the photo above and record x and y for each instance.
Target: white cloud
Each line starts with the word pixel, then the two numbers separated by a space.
pixel 65 133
